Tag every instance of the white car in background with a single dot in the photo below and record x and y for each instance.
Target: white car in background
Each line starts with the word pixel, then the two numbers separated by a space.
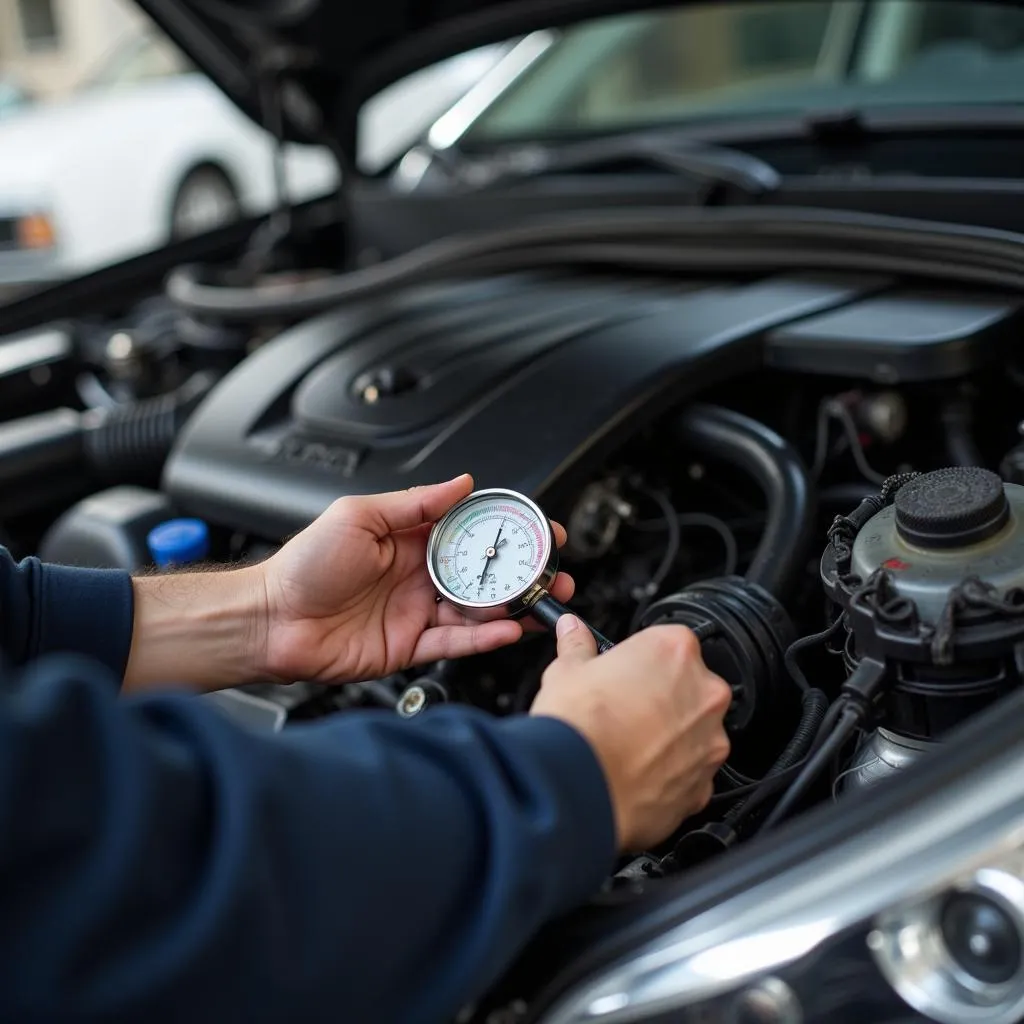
pixel 148 151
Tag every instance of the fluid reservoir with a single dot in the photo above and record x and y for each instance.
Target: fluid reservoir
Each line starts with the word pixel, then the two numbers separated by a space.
pixel 179 542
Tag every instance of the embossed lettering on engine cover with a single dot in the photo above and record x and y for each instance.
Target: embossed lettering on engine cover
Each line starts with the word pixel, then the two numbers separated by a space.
pixel 317 454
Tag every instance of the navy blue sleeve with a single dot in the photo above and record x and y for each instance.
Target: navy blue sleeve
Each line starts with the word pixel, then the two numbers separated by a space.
pixel 53 608
pixel 159 863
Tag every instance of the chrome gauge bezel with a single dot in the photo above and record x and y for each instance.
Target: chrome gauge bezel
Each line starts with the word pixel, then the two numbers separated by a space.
pixel 518 603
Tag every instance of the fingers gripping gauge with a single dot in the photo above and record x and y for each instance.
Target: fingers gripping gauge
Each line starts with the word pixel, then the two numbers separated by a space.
pixel 493 555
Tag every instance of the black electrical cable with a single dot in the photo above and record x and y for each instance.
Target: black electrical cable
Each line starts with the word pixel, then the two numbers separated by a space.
pixel 772 785
pixel 767 788
pixel 796 673
pixel 732 550
pixel 736 777
pixel 842 414
pixel 832 409
pixel 813 712
pixel 697 520
pixel 754 239
pixel 279 224
pixel 847 725
pixel 841 722
pixel 668 558
pixel 674 543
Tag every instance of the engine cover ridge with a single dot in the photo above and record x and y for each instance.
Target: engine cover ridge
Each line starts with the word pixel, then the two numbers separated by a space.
pixel 525 380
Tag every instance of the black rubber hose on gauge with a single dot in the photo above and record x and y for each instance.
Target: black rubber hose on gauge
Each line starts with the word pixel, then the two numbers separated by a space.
pixel 780 473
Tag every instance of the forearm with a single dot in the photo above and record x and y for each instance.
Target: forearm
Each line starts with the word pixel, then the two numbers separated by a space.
pixel 203 630
pixel 248 876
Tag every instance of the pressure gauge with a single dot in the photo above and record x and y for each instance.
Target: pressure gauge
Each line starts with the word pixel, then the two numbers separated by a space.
pixel 493 556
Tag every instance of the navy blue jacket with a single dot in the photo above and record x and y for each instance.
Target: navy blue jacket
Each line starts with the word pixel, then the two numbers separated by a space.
pixel 159 863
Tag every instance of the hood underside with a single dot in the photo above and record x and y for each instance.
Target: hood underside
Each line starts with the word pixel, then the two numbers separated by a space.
pixel 331 55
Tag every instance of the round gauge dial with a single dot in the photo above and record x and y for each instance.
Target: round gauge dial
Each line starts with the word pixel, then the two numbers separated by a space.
pixel 490 551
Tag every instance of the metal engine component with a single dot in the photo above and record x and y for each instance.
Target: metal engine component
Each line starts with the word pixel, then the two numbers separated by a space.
pixel 884 414
pixel 596 519
pixel 883 754
pixel 930 575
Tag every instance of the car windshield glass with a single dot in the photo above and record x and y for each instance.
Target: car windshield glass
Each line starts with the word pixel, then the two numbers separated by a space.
pixel 719 60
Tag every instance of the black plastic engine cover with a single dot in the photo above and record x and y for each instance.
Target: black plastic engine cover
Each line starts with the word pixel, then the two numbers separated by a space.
pixel 525 381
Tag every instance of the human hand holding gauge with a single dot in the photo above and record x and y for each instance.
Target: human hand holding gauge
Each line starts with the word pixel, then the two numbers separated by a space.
pixel 493 555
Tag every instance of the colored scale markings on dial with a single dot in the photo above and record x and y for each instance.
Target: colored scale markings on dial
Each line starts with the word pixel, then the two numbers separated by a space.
pixel 461 529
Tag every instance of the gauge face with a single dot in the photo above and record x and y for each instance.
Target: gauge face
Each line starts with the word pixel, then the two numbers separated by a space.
pixel 489 550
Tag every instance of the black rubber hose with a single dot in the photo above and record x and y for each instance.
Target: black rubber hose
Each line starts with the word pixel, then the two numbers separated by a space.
pixel 117 443
pixel 812 714
pixel 755 239
pixel 136 439
pixel 957 423
pixel 779 472
pixel 849 720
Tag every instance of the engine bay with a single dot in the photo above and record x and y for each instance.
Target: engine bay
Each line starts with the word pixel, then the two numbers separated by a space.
pixel 820 473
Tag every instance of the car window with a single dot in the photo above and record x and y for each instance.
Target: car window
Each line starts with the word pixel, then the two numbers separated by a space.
pixel 722 59
pixel 125 145
pixel 144 55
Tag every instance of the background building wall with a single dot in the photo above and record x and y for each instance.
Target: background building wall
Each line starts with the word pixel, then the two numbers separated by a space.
pixel 51 63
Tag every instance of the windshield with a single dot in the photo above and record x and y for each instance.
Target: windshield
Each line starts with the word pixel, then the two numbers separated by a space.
pixel 742 59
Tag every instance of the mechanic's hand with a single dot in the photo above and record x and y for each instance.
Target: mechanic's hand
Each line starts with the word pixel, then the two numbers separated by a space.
pixel 349 598
pixel 652 711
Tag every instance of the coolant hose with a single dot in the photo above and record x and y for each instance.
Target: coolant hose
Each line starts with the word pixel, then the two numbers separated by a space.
pixel 779 472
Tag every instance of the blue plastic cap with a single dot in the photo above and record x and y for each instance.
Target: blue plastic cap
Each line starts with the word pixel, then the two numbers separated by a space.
pixel 178 542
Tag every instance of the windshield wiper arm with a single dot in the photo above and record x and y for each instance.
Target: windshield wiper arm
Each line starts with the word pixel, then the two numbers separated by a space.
pixel 699 161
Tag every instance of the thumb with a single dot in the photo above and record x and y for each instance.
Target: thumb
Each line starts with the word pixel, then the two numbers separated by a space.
pixel 404 510
pixel 575 642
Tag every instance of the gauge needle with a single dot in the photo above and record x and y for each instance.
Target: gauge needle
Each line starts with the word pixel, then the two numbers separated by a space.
pixel 490 553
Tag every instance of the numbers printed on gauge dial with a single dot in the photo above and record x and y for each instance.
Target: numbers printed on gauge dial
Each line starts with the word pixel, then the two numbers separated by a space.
pixel 494 548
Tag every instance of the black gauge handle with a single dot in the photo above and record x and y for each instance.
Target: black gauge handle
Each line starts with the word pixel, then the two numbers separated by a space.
pixel 547 611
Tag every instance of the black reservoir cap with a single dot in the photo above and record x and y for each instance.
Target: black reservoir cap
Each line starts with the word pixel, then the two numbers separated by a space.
pixel 951 508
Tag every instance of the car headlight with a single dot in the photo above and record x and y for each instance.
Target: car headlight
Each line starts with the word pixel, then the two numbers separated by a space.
pixel 922 905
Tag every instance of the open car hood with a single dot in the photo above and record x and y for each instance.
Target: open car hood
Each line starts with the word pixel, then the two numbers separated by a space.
pixel 334 54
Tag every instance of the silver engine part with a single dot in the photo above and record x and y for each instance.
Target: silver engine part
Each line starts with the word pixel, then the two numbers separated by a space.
pixel 884 753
